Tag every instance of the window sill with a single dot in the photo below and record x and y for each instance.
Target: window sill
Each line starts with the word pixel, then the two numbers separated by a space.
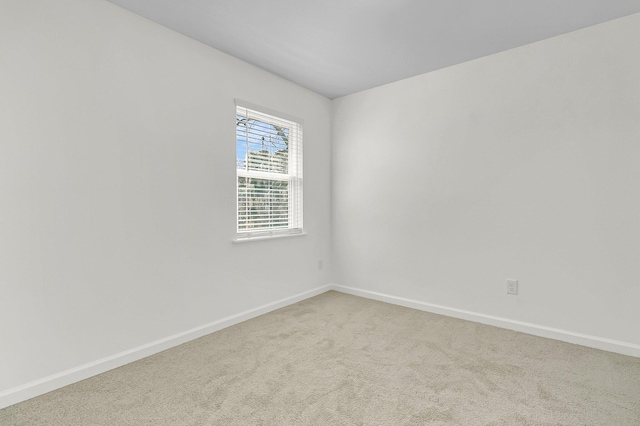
pixel 266 237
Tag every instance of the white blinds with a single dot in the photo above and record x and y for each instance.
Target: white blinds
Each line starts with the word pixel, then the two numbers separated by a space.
pixel 269 174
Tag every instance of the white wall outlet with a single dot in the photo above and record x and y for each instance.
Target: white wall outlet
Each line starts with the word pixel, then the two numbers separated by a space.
pixel 320 264
pixel 512 286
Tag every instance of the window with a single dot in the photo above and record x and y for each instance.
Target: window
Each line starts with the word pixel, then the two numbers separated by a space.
pixel 269 173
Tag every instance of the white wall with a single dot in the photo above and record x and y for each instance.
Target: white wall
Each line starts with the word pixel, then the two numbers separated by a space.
pixel 117 196
pixel 523 165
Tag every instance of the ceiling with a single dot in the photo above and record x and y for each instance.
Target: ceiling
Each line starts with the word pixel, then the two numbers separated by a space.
pixel 338 47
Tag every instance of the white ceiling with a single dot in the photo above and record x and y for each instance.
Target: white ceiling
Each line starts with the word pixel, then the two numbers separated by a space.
pixel 338 47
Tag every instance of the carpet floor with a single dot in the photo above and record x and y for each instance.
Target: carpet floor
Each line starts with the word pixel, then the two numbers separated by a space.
pixel 337 359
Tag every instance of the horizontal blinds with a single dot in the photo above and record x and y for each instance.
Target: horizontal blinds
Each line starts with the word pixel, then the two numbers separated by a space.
pixel 269 173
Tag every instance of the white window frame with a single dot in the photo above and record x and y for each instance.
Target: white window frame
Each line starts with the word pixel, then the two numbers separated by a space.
pixel 294 175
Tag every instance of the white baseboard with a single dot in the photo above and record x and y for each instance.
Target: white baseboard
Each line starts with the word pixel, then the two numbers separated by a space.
pixel 64 378
pixel 596 342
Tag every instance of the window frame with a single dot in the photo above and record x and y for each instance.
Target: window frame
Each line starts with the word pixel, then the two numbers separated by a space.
pixel 294 177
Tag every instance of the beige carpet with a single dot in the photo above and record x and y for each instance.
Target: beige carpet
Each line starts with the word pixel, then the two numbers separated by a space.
pixel 342 360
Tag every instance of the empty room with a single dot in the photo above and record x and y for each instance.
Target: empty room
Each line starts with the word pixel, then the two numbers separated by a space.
pixel 283 212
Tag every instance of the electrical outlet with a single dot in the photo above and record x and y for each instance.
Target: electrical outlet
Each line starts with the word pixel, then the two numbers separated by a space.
pixel 320 264
pixel 512 286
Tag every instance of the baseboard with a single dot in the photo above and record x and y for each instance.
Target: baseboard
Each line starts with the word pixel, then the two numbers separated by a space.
pixel 56 381
pixel 64 378
pixel 596 342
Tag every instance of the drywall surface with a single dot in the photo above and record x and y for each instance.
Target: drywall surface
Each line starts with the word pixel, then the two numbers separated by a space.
pixel 117 187
pixel 522 165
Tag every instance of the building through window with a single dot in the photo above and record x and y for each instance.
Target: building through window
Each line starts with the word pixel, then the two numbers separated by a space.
pixel 269 174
